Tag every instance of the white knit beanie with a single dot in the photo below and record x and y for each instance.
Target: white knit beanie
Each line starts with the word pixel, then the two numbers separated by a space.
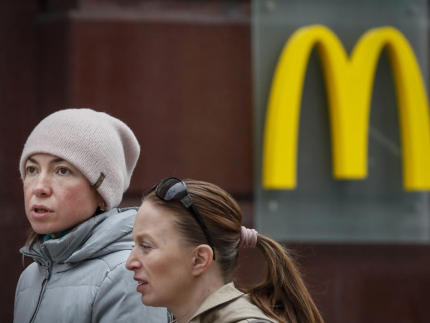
pixel 102 147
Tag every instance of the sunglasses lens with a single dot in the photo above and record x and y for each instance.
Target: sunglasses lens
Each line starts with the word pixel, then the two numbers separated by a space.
pixel 171 188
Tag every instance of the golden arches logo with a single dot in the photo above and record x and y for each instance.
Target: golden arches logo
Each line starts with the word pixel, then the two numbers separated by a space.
pixel 349 82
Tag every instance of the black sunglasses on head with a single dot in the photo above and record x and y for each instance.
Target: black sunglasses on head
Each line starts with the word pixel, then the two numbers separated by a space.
pixel 173 188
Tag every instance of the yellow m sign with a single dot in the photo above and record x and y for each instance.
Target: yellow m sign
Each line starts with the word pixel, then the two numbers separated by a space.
pixel 349 82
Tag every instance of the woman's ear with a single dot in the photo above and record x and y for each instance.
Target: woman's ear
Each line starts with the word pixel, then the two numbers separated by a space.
pixel 102 206
pixel 202 259
pixel 101 202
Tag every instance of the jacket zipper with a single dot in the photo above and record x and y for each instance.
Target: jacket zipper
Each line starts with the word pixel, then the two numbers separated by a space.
pixel 44 283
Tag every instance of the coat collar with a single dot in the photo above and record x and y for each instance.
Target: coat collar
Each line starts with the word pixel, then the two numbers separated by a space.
pixel 100 234
pixel 223 295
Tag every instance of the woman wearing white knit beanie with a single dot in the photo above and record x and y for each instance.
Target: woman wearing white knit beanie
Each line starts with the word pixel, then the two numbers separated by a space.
pixel 75 167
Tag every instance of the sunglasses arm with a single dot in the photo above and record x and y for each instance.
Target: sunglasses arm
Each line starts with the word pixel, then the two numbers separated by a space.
pixel 190 205
pixel 186 201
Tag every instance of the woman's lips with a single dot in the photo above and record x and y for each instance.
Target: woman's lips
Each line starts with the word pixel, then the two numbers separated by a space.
pixel 40 211
pixel 141 285
pixel 140 288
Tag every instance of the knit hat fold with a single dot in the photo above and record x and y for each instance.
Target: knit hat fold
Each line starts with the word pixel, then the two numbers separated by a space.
pixel 94 142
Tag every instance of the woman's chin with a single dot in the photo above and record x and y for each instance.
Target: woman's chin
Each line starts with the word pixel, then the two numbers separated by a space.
pixel 150 302
pixel 41 229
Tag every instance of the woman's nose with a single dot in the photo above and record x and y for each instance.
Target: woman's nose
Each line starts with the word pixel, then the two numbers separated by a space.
pixel 43 186
pixel 132 261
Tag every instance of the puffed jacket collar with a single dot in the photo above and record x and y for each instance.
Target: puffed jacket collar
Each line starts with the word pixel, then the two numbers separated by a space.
pixel 100 235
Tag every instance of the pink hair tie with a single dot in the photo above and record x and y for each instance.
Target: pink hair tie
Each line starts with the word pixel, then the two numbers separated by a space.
pixel 248 238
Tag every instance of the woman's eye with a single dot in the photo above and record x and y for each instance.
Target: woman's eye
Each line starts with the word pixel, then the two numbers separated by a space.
pixel 31 170
pixel 63 171
pixel 145 246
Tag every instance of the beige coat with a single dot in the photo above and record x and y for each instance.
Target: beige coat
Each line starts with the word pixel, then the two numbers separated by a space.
pixel 228 305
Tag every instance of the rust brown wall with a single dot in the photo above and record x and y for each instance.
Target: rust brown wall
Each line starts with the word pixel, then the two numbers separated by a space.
pixel 179 73
pixel 18 100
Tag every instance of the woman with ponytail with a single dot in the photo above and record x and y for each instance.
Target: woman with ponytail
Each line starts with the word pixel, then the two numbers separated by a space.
pixel 187 238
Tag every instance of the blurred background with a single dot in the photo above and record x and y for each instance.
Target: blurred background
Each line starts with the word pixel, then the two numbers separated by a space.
pixel 192 79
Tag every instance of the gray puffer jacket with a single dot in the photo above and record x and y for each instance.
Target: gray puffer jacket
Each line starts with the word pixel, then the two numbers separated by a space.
pixel 81 277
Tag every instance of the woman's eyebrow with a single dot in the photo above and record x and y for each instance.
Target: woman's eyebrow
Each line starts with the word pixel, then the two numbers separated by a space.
pixel 56 160
pixel 32 160
pixel 140 236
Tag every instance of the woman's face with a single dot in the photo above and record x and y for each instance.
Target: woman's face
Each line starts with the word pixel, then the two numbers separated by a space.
pixel 160 259
pixel 57 195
